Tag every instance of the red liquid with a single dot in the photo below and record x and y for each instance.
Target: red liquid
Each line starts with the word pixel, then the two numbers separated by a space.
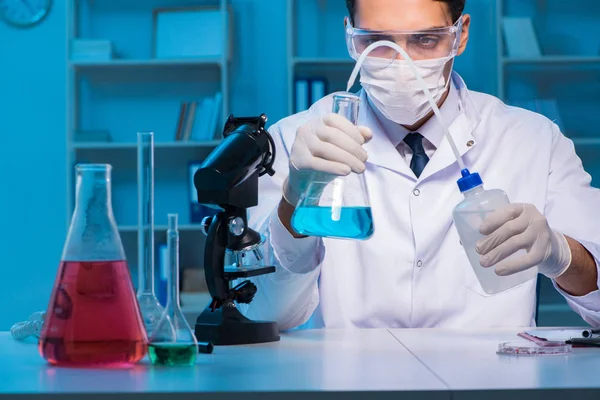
pixel 93 317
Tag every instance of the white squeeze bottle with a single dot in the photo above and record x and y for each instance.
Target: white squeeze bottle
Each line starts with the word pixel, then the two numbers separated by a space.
pixel 468 216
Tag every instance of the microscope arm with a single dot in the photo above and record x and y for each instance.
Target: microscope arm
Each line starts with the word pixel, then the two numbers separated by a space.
pixel 214 257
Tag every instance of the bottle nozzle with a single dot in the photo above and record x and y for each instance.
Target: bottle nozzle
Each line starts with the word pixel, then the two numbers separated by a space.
pixel 469 180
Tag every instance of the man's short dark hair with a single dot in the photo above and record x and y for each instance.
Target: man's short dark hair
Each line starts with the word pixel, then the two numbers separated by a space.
pixel 456 8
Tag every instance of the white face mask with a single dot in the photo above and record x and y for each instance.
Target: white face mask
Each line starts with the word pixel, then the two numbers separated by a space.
pixel 395 90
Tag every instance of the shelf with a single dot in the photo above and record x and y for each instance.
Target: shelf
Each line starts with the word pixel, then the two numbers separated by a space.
pixel 586 141
pixel 553 60
pixel 157 145
pixel 149 63
pixel 560 308
pixel 163 228
pixel 322 61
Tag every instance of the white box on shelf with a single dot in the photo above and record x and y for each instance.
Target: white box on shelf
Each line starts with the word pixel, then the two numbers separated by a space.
pixel 520 38
pixel 188 32
pixel 91 49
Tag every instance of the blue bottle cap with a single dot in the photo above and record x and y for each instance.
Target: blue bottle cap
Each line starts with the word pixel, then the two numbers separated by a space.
pixel 469 181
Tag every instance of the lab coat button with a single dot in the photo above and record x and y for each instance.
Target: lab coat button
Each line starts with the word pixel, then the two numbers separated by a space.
pixel 417 192
pixel 419 263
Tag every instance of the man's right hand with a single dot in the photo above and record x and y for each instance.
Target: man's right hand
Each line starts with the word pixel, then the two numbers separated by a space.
pixel 324 147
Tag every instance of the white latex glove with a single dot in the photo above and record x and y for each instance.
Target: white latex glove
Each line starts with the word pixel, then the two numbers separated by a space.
pixel 522 226
pixel 324 148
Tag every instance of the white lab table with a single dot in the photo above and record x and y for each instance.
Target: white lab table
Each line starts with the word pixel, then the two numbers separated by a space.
pixel 467 364
pixel 360 364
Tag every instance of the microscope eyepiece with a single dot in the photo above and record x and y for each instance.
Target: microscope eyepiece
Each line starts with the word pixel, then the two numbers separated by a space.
pixel 229 175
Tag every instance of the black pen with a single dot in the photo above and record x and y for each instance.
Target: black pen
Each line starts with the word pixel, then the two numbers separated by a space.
pixel 580 342
pixel 590 332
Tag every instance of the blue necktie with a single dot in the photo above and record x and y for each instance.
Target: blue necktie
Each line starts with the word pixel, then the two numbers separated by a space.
pixel 419 159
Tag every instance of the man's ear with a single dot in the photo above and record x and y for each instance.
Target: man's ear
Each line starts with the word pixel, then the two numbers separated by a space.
pixel 464 37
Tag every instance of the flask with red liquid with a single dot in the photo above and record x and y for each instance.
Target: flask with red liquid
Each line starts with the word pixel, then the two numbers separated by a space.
pixel 93 318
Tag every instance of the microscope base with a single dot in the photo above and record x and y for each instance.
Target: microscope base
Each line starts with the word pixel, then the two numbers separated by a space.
pixel 227 326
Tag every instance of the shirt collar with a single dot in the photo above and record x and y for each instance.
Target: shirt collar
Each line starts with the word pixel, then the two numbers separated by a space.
pixel 432 130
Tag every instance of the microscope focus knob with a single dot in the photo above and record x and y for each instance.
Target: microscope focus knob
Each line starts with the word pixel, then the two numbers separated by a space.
pixel 206 221
pixel 237 226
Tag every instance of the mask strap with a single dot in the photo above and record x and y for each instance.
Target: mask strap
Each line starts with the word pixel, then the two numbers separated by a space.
pixel 419 78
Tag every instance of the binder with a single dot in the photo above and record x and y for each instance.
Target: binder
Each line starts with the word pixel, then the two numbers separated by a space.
pixel 317 90
pixel 302 95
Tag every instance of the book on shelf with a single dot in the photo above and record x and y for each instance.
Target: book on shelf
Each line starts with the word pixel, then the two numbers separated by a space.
pixel 189 120
pixel 301 95
pixel 521 40
pixel 199 120
pixel 181 120
pixel 317 90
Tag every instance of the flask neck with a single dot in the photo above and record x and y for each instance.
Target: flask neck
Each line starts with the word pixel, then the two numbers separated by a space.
pixel 173 279
pixel 94 188
pixel 93 233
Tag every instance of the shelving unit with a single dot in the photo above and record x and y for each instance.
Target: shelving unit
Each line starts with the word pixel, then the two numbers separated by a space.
pixel 135 92
pixel 564 75
pixel 569 60
pixel 313 53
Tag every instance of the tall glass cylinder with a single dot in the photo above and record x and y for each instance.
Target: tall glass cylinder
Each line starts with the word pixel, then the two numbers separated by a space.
pixel 336 206
pixel 149 305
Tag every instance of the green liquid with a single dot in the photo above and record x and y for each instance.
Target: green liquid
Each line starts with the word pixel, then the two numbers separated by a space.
pixel 172 354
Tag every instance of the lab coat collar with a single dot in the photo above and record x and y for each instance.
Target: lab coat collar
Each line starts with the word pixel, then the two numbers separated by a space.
pixel 461 130
pixel 383 152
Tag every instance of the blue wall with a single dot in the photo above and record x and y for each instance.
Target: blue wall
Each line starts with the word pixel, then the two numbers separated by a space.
pixel 32 163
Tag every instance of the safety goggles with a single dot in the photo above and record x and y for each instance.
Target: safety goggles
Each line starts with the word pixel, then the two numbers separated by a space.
pixel 425 44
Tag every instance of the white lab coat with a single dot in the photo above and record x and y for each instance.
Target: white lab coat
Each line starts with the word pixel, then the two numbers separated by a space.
pixel 413 272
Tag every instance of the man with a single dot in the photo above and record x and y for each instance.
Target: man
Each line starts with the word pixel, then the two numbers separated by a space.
pixel 413 271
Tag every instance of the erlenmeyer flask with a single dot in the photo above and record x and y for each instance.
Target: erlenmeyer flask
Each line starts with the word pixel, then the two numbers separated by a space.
pixel 173 342
pixel 93 317
pixel 150 307
pixel 336 207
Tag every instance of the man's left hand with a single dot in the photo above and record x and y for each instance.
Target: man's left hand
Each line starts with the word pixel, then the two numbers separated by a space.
pixel 522 226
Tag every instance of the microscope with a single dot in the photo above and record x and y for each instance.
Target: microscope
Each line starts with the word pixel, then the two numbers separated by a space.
pixel 227 181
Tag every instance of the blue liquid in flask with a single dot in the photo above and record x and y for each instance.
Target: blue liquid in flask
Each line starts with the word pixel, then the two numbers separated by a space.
pixel 353 222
